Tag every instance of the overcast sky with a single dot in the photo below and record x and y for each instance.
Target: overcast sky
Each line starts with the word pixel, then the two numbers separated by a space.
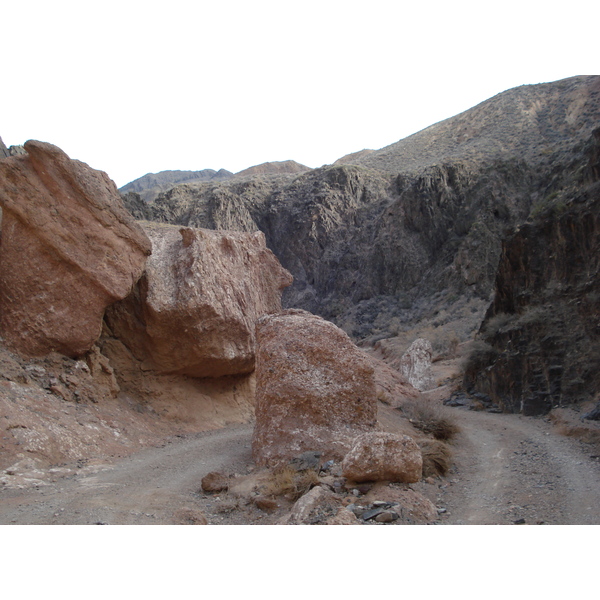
pixel 137 87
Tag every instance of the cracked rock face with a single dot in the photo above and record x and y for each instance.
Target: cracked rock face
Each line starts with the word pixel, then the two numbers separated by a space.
pixel 315 389
pixel 194 311
pixel 68 250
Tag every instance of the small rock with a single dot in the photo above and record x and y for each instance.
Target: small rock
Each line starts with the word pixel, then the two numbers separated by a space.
pixel 519 522
pixel 593 415
pixel 371 514
pixel 307 460
pixel 356 509
pixel 215 482
pixel 327 466
pixel 387 516
pixel 343 517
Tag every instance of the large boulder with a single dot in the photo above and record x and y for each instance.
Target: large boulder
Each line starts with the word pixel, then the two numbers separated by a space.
pixel 415 364
pixel 68 250
pixel 194 310
pixel 315 389
pixel 379 456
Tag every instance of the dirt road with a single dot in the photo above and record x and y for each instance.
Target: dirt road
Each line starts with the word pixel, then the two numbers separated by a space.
pixel 514 469
pixel 508 469
pixel 154 486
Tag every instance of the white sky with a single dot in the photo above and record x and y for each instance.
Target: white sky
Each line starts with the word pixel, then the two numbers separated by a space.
pixel 135 87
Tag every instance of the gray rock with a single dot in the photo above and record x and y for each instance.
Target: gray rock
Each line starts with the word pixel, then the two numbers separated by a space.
pixel 306 461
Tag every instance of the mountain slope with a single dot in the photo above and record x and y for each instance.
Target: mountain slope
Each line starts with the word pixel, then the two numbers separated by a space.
pixel 152 184
pixel 410 235
pixel 530 121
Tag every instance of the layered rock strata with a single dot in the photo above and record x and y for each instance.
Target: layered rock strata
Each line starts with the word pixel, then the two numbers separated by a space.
pixel 315 389
pixel 68 250
pixel 194 310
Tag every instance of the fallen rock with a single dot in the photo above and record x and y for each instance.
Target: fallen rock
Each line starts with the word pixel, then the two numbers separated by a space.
pixel 194 310
pixel 68 250
pixel 215 482
pixel 343 517
pixel 413 508
pixel 387 516
pixel 378 456
pixel 314 390
pixel 315 507
pixel 594 414
pixel 265 503
pixel 393 388
pixel 415 364
pixel 307 460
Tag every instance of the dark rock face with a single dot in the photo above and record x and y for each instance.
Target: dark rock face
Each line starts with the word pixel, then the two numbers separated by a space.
pixel 413 228
pixel 542 332
pixel 350 235
pixel 418 229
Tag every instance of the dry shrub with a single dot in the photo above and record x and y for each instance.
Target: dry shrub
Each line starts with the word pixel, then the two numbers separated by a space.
pixel 481 355
pixel 570 425
pixel 437 457
pixel 291 483
pixel 431 418
pixel 227 506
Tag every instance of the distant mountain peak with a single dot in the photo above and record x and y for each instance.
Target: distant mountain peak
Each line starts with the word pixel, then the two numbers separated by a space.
pixel 274 168
pixel 152 184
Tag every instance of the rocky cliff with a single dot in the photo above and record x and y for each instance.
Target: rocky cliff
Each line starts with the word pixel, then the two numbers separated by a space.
pixel 413 231
pixel 540 341
pixel 68 250
pixel 114 334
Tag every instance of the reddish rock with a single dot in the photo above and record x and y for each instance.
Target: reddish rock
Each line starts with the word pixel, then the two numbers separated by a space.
pixel 392 387
pixel 413 508
pixel 68 250
pixel 343 517
pixel 215 482
pixel 314 389
pixel 265 503
pixel 378 456
pixel 315 507
pixel 195 308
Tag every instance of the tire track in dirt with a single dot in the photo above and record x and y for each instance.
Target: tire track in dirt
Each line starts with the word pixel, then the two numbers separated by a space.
pixel 148 487
pixel 514 469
